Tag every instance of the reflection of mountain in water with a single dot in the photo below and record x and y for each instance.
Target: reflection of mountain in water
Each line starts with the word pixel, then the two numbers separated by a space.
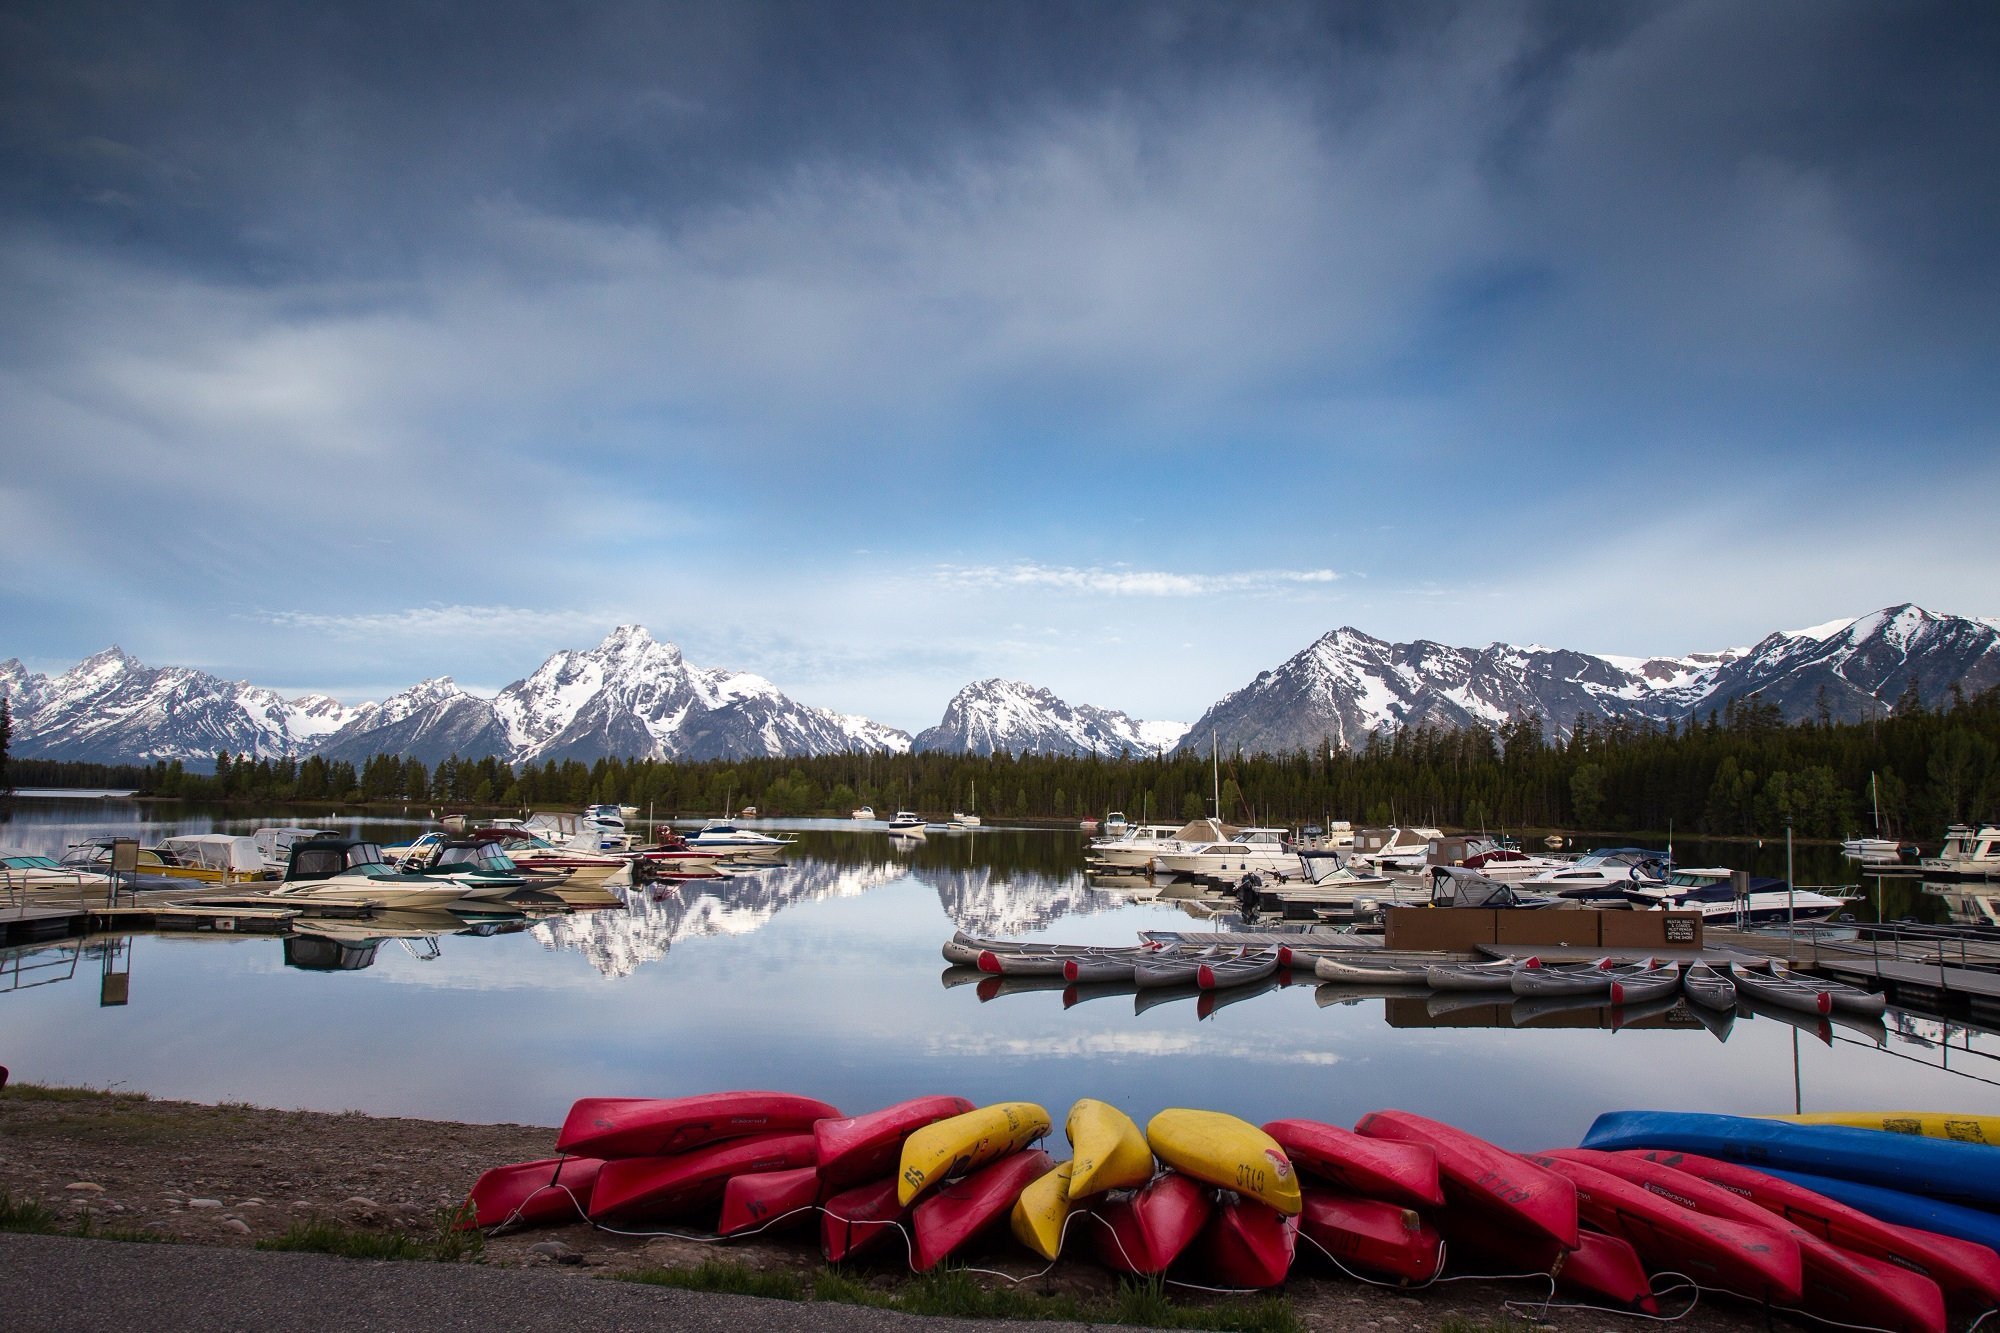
pixel 618 941
pixel 983 900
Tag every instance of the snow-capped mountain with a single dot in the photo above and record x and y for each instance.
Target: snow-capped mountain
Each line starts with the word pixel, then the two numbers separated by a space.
pixel 629 697
pixel 990 715
pixel 111 708
pixel 1349 684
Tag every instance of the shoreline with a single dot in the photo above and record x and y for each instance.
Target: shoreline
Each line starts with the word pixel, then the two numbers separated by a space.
pixel 128 1166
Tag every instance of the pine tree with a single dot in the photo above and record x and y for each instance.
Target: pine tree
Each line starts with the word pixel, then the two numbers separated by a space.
pixel 6 740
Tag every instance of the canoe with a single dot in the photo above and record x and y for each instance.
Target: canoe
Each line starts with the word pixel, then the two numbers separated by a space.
pixel 1709 988
pixel 1040 1217
pixel 857 1219
pixel 1846 999
pixel 1023 964
pixel 1536 979
pixel 955 1215
pixel 1168 969
pixel 1366 972
pixel 1497 1187
pixel 767 1200
pixel 1754 1262
pixel 1784 991
pixel 1225 973
pixel 1246 1245
pixel 854 1149
pixel 654 1127
pixel 1968 1273
pixel 1107 1149
pixel 1904 1209
pixel 1956 1172
pixel 554 1189
pixel 1219 1148
pixel 1642 987
pixel 951 1147
pixel 1471 976
pixel 631 1189
pixel 1836 1286
pixel 1923 1124
pixel 1381 1239
pixel 1144 1231
pixel 1108 967
pixel 1402 1173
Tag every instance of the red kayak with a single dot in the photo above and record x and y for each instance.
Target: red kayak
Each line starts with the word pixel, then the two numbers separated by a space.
pixel 1246 1244
pixel 555 1189
pixel 962 1209
pixel 655 1127
pixel 1405 1173
pixel 857 1149
pixel 664 1188
pixel 1381 1238
pixel 1144 1231
pixel 1968 1273
pixel 1750 1261
pixel 1605 1268
pixel 1839 1287
pixel 768 1200
pixel 1501 1189
pixel 855 1219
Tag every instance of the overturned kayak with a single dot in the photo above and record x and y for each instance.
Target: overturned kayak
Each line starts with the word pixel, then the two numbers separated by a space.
pixel 1222 1150
pixel 1382 1239
pixel 857 1219
pixel 950 1147
pixel 1967 1272
pixel 654 1126
pixel 632 1189
pixel 1145 1231
pixel 1108 1151
pixel 1040 1216
pixel 1836 1286
pixel 1404 1173
pixel 1246 1245
pixel 767 1199
pixel 1957 1172
pixel 1924 1124
pixel 956 1214
pixel 861 1148
pixel 1499 1189
pixel 555 1189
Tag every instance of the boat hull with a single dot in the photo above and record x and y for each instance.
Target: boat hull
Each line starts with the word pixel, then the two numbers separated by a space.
pixel 1222 1150
pixel 1403 1173
pixel 1481 1179
pixel 950 1147
pixel 1382 1239
pixel 857 1149
pixel 768 1200
pixel 653 1126
pixel 1246 1245
pixel 1107 1149
pixel 954 1216
pixel 553 1190
pixel 632 1189
pixel 1145 1231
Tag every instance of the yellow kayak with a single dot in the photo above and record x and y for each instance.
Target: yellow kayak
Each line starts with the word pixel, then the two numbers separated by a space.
pixel 1925 1124
pixel 1042 1212
pixel 1225 1151
pixel 952 1147
pixel 1111 1153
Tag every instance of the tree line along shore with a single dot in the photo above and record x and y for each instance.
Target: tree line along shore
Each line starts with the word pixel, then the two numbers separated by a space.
pixel 1737 772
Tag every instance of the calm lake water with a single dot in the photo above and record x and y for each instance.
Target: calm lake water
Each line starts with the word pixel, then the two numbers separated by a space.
pixel 823 976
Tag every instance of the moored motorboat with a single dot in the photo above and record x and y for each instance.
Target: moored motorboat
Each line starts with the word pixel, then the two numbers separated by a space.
pixel 907 824
pixel 349 872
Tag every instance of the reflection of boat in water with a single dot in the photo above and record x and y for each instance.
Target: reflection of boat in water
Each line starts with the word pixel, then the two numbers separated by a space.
pixel 959 975
pixel 1082 992
pixel 1330 993
pixel 994 986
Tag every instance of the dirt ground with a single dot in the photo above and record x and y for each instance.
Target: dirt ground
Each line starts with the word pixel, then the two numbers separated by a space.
pixel 231 1175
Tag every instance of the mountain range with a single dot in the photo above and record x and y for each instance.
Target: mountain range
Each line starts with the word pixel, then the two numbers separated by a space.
pixel 634 696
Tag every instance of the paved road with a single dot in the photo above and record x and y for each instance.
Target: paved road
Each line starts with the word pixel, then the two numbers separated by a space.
pixel 60 1282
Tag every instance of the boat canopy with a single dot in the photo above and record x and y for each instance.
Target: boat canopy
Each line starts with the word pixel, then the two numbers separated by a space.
pixel 1454 886
pixel 215 851
pixel 1206 830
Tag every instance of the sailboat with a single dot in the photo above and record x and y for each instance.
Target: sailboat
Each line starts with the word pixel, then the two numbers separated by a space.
pixel 1877 848
pixel 965 818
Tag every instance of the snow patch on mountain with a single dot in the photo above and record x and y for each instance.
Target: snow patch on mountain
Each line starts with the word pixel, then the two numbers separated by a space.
pixel 994 715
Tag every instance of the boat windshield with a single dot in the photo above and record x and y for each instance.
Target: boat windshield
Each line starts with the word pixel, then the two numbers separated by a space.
pixel 29 863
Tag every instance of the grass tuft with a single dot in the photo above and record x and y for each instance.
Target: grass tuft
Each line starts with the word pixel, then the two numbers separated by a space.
pixel 30 1215
pixel 322 1235
pixel 956 1293
pixel 49 1092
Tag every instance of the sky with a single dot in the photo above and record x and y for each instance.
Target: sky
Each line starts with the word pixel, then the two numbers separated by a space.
pixel 881 347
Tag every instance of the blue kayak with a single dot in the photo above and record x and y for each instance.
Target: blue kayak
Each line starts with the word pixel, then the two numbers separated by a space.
pixel 1905 1210
pixel 1934 1168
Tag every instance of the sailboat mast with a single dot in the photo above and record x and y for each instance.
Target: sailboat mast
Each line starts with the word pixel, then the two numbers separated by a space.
pixel 1215 772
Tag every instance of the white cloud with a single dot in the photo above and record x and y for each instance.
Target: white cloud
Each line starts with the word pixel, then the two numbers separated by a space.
pixel 1124 581
pixel 436 621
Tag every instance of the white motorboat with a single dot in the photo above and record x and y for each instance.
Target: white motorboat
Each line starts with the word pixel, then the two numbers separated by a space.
pixel 1259 851
pixel 1393 850
pixel 574 831
pixel 214 858
pixel 1872 850
pixel 907 824
pixel 1604 872
pixel 1711 891
pixel 724 835
pixel 350 872
pixel 1142 842
pixel 27 870
pixel 865 812
pixel 604 818
pixel 1114 825
pixel 1969 853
